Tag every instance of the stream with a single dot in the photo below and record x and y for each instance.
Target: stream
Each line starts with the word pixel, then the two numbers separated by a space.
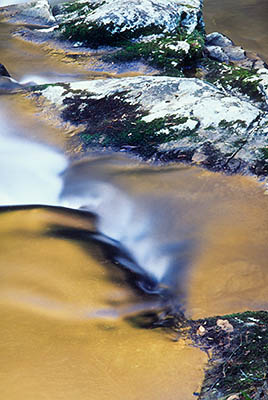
pixel 92 247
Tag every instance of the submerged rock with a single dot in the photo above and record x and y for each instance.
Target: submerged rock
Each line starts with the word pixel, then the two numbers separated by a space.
pixel 165 118
pixel 3 71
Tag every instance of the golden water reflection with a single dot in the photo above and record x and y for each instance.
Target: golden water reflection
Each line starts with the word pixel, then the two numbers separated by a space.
pixel 54 342
pixel 212 228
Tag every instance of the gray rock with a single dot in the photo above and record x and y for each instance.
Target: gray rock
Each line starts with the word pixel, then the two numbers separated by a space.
pixel 218 39
pixel 217 53
pixel 37 11
pixel 131 18
pixel 164 117
pixel 235 53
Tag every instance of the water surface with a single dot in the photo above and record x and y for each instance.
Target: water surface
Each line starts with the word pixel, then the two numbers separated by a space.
pixel 244 21
pixel 102 240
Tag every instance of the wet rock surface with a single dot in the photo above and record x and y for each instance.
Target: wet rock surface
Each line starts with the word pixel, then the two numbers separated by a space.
pixel 3 71
pixel 37 11
pixel 164 118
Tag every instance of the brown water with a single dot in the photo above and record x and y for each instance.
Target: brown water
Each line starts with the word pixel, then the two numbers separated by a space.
pixel 68 311
pixel 244 21
pixel 62 334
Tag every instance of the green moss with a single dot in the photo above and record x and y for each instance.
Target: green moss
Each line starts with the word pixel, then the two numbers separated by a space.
pixel 95 35
pixel 162 53
pixel 113 122
pixel 44 86
pixel 79 8
pixel 239 360
pixel 232 124
pixel 232 77
pixel 264 152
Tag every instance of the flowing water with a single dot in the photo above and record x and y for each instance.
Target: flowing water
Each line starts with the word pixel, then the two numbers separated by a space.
pixel 244 21
pixel 89 247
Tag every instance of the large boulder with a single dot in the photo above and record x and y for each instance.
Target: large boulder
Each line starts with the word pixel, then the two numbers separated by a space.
pixel 165 118
pixel 107 22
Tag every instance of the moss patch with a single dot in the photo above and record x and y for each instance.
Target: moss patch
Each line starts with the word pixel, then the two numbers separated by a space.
pixel 95 35
pixel 113 122
pixel 233 78
pixel 239 357
pixel 165 52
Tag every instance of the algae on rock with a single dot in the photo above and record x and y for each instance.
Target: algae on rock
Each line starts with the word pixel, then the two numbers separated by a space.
pixel 107 23
pixel 166 118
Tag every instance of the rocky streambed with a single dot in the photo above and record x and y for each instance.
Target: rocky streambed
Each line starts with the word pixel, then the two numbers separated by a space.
pixel 206 104
pixel 170 93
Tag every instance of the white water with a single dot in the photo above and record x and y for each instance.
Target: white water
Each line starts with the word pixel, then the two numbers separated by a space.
pixel 122 219
pixel 29 172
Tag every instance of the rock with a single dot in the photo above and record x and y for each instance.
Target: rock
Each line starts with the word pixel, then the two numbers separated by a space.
pixel 104 22
pixel 247 83
pixel 165 118
pixel 225 325
pixel 3 71
pixel 201 331
pixel 218 39
pixel 217 53
pixel 37 11
pixel 8 84
pixel 234 53
pixel 262 78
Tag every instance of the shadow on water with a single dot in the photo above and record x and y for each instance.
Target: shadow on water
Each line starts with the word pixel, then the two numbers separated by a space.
pixel 163 298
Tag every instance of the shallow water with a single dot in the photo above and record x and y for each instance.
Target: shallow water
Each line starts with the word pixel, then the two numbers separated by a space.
pixel 40 63
pixel 117 238
pixel 63 310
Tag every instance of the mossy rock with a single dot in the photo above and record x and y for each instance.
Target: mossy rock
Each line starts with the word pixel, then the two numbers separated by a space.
pixel 96 23
pixel 113 122
pixel 238 345
pixel 171 53
pixel 234 79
